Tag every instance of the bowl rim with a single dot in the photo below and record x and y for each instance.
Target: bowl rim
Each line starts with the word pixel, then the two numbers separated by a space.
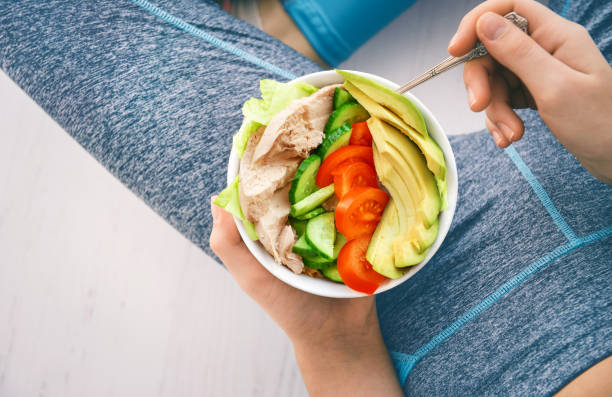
pixel 328 288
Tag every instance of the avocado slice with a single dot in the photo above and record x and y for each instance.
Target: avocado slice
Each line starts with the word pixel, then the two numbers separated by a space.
pixel 414 235
pixel 409 161
pixel 428 207
pixel 430 149
pixel 405 252
pixel 380 250
pixel 442 189
pixel 423 237
pixel 398 103
pixel 404 198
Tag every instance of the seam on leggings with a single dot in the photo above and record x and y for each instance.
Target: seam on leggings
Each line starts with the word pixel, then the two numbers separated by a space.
pixel 404 363
pixel 541 193
pixel 209 38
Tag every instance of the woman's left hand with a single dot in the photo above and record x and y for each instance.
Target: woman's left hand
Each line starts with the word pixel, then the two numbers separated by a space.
pixel 337 342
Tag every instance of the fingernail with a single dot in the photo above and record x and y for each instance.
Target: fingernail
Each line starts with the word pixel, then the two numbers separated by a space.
pixel 471 97
pixel 492 25
pixel 507 131
pixel 496 137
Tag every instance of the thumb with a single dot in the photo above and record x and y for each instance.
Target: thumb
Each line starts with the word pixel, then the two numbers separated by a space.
pixel 518 52
pixel 225 241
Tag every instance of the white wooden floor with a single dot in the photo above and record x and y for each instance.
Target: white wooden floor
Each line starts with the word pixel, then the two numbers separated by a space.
pixel 100 297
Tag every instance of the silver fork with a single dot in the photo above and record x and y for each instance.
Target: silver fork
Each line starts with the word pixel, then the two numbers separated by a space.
pixel 450 62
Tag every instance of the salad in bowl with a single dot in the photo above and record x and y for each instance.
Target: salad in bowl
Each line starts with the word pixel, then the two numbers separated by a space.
pixel 339 185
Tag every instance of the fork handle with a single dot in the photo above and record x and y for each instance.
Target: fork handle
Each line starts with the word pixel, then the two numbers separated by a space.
pixel 478 51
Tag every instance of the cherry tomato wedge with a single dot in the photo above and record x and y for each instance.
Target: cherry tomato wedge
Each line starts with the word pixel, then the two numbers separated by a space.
pixel 354 268
pixel 360 153
pixel 350 175
pixel 359 211
pixel 361 134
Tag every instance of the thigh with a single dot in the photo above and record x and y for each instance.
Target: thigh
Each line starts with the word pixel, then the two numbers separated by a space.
pixel 154 92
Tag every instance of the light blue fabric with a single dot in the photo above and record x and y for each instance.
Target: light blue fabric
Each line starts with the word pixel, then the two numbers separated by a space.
pixel 335 29
pixel 507 306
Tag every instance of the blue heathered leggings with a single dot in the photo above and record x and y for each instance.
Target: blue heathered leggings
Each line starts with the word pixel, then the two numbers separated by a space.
pixel 518 301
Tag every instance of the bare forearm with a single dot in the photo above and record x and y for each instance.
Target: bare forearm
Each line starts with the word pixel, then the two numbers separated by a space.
pixel 601 170
pixel 360 367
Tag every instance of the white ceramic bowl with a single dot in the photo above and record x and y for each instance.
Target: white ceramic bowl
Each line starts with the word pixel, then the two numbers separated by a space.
pixel 328 288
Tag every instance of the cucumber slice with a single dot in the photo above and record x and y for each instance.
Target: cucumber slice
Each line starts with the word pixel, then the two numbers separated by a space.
pixel 335 140
pixel 340 241
pixel 312 201
pixel 317 262
pixel 341 97
pixel 331 272
pixel 321 234
pixel 317 211
pixel 350 112
pixel 303 182
pixel 302 248
pixel 298 225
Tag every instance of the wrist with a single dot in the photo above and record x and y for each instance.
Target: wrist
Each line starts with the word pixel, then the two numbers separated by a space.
pixel 354 363
pixel 341 346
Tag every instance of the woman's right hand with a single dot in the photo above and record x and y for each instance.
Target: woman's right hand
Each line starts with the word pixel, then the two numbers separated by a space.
pixel 557 69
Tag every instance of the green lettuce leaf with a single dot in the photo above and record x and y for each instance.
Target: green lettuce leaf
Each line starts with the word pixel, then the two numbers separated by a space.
pixel 257 112
pixel 228 200
pixel 250 230
pixel 241 138
pixel 275 96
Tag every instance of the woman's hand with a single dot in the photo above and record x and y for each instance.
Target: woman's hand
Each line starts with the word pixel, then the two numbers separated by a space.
pixel 558 69
pixel 337 342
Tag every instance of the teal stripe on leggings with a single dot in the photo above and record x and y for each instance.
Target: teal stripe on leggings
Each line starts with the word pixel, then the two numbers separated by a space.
pixel 541 193
pixel 405 362
pixel 209 38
